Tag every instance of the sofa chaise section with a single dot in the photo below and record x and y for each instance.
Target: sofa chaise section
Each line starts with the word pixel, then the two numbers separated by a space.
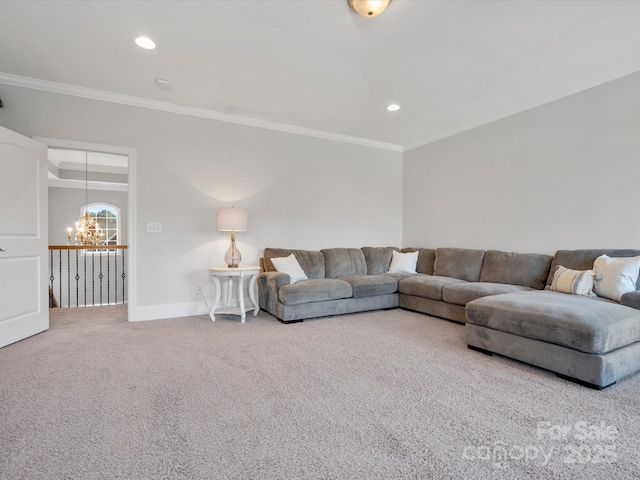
pixel 593 341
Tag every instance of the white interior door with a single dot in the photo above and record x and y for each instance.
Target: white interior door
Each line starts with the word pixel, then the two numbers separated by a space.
pixel 24 301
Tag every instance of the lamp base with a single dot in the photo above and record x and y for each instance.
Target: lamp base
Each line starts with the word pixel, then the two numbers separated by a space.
pixel 233 257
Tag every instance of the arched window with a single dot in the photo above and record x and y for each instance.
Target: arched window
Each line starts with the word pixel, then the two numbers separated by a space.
pixel 108 218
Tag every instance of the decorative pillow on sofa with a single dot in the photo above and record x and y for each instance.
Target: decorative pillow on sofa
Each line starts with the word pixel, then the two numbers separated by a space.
pixel 403 262
pixel 576 282
pixel 290 266
pixel 619 276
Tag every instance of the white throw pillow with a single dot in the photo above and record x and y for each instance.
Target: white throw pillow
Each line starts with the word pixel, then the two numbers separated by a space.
pixel 576 282
pixel 403 262
pixel 619 276
pixel 290 266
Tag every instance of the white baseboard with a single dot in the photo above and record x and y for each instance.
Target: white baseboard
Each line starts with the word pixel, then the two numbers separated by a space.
pixel 172 310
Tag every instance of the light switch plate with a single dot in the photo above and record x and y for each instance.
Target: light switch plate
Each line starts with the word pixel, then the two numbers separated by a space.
pixel 154 227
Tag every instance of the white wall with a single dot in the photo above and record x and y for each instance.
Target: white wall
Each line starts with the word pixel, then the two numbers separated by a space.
pixel 301 192
pixel 560 176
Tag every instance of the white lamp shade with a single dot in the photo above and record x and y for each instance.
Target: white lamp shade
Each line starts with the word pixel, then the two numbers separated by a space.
pixel 233 219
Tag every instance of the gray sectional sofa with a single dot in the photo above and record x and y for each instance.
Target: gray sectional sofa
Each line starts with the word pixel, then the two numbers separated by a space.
pixel 500 296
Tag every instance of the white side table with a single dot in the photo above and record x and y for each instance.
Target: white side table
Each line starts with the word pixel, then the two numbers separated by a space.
pixel 235 302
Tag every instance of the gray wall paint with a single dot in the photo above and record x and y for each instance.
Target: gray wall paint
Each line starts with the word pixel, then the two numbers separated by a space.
pixel 301 192
pixel 560 176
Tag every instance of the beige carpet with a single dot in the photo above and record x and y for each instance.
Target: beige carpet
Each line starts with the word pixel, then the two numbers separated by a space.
pixel 381 395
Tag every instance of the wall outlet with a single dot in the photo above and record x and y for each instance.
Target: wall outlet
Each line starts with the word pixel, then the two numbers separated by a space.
pixel 198 287
pixel 154 227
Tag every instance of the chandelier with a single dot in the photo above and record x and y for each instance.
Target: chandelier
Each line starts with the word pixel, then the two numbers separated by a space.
pixel 88 232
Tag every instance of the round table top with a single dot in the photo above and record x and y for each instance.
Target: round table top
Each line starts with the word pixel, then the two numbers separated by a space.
pixel 240 268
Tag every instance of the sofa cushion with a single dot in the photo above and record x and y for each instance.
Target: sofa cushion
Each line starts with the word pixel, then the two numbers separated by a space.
pixel 528 269
pixel 340 262
pixel 586 324
pixel 426 257
pixel 461 263
pixel 312 262
pixel 426 286
pixel 583 259
pixel 371 285
pixel 463 293
pixel 314 290
pixel 377 259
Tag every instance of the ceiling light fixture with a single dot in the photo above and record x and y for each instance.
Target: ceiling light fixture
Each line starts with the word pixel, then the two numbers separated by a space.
pixel 368 8
pixel 145 43
pixel 393 107
pixel 88 231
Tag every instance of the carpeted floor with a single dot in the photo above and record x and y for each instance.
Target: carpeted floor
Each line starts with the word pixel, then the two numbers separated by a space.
pixel 382 395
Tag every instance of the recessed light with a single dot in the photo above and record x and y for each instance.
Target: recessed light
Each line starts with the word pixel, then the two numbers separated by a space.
pixel 393 107
pixel 146 43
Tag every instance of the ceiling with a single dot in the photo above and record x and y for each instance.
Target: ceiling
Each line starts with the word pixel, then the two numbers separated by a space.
pixel 317 66
pixel 92 161
pixel 80 169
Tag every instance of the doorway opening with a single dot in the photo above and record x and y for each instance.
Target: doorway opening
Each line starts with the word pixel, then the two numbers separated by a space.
pixel 90 185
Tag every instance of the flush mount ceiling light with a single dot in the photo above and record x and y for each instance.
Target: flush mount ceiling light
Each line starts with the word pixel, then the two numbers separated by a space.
pixel 145 43
pixel 368 8
pixel 393 107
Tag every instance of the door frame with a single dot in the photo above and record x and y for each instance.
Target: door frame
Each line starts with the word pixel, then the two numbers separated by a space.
pixel 131 205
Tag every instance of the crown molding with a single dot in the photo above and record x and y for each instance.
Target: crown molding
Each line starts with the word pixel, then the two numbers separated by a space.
pixel 54 181
pixel 78 185
pixel 53 162
pixel 100 95
pixel 64 89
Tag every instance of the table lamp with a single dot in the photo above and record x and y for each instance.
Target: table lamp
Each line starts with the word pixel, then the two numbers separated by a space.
pixel 233 220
